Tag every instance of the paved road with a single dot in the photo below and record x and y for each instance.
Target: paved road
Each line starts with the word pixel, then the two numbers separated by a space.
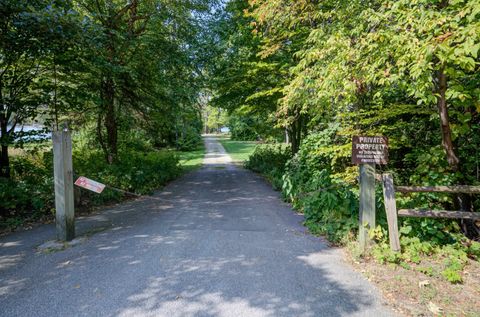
pixel 217 242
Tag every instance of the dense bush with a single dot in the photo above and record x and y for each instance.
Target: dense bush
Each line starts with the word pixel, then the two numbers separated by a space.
pixel 242 129
pixel 139 172
pixel 317 183
pixel 29 194
pixel 22 201
pixel 269 160
pixel 329 203
pixel 189 140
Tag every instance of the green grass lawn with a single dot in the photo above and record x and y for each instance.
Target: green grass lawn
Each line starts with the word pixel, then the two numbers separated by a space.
pixel 239 150
pixel 192 159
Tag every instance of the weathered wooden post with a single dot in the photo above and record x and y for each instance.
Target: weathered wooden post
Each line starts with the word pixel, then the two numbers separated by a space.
pixel 391 210
pixel 367 203
pixel 366 152
pixel 63 176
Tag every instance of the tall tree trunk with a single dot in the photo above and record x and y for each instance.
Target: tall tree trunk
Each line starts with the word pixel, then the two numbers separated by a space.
pixel 108 99
pixel 295 134
pixel 299 132
pixel 4 162
pixel 110 120
pixel 446 131
pixel 292 132
pixel 461 201
pixel 4 158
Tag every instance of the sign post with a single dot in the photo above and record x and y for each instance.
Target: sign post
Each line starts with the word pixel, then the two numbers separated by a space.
pixel 366 152
pixel 63 176
pixel 367 203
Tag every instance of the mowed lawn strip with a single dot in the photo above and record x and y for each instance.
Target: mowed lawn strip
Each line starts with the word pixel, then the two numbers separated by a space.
pixel 240 151
pixel 191 160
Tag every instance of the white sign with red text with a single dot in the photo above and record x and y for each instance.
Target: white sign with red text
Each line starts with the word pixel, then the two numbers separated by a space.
pixel 90 184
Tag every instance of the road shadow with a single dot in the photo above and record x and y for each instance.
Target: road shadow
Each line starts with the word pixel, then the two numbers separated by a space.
pixel 217 242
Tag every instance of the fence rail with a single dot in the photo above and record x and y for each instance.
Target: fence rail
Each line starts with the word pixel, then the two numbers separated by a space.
pixel 461 189
pixel 439 214
pixel 391 205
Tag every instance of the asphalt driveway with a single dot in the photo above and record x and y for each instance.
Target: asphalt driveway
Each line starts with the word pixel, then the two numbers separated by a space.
pixel 216 242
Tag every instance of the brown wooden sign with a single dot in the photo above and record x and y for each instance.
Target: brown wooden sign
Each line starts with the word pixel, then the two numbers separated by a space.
pixel 370 150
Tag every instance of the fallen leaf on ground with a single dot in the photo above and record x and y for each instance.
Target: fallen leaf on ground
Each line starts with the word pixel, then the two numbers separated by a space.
pixel 434 308
pixel 424 283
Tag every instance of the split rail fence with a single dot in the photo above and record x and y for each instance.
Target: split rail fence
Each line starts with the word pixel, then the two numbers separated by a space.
pixel 391 206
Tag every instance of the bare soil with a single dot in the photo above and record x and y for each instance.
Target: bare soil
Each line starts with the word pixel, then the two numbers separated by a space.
pixel 414 293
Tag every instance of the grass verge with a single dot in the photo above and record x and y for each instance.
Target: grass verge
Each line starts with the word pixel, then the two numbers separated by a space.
pixel 240 151
pixel 192 160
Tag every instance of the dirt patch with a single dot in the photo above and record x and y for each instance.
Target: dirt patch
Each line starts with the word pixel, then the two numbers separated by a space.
pixel 415 293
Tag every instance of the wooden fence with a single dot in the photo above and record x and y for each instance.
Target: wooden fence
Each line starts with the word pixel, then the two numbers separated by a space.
pixel 391 205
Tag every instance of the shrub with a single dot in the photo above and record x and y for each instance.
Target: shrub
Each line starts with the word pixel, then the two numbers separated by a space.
pixel 329 203
pixel 189 139
pixel 269 160
pixel 29 194
pixel 317 182
pixel 330 206
pixel 139 172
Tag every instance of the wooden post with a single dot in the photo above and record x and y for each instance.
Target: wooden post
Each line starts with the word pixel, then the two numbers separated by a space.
pixel 77 196
pixel 63 176
pixel 391 210
pixel 367 203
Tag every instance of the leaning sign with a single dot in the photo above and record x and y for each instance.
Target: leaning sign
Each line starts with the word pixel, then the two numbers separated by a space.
pixel 90 184
pixel 370 150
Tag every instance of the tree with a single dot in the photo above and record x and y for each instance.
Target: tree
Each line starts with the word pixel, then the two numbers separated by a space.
pixel 30 33
pixel 216 118
pixel 285 27
pixel 242 82
pixel 120 28
pixel 142 54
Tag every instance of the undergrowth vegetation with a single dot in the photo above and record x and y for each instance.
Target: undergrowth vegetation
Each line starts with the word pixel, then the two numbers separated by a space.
pixel 141 168
pixel 317 183
pixel 123 76
pixel 321 72
pixel 269 160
